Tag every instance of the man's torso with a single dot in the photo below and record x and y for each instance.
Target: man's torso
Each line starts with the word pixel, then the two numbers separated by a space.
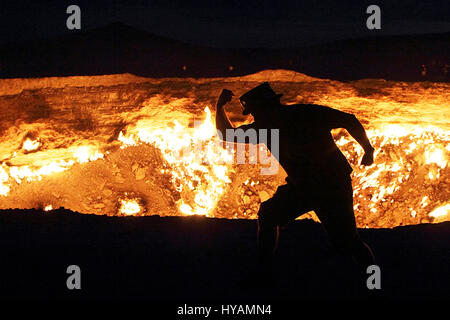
pixel 306 147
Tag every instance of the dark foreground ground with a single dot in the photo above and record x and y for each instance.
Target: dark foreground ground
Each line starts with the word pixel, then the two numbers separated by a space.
pixel 190 259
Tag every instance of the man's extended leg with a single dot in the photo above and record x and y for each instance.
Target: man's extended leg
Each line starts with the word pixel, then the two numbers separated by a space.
pixel 363 255
pixel 335 211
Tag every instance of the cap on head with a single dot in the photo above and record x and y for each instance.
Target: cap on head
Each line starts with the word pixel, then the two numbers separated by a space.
pixel 260 94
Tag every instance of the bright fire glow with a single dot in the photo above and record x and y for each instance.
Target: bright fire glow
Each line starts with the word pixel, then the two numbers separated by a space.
pixel 87 153
pixel 151 148
pixel 31 145
pixel 400 151
pixel 435 155
pixel 4 188
pixel 441 211
pixel 194 158
pixel 129 207
pixel 81 154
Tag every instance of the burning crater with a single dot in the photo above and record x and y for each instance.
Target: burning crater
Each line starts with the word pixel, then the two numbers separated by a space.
pixel 124 145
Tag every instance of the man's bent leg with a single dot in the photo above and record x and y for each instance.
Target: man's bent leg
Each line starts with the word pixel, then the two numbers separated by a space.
pixel 268 233
pixel 277 211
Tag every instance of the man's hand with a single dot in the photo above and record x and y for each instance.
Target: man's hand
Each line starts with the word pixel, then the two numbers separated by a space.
pixel 367 159
pixel 225 97
pixel 222 121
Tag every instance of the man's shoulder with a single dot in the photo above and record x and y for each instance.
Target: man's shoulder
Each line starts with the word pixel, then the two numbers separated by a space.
pixel 307 115
pixel 298 107
pixel 313 110
pixel 292 110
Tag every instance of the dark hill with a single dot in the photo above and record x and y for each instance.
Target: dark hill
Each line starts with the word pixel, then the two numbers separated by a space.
pixel 117 48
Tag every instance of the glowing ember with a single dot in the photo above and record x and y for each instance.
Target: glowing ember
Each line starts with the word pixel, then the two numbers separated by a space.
pixel 129 207
pixel 87 153
pixel 48 207
pixel 441 211
pixel 4 189
pixel 30 145
pixel 435 155
pixel 81 154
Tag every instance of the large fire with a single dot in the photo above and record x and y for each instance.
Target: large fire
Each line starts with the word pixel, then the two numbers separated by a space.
pixel 165 157
pixel 194 161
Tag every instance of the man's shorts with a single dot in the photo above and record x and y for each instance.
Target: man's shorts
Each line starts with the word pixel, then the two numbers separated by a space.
pixel 331 198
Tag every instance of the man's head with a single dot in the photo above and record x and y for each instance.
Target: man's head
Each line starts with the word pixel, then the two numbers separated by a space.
pixel 259 99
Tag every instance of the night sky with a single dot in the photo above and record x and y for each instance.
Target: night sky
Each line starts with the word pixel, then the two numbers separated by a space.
pixel 228 23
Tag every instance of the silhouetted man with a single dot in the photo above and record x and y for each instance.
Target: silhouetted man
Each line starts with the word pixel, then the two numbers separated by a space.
pixel 318 173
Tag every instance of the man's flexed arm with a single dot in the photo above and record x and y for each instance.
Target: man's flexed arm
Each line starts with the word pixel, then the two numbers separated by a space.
pixel 227 131
pixel 222 121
